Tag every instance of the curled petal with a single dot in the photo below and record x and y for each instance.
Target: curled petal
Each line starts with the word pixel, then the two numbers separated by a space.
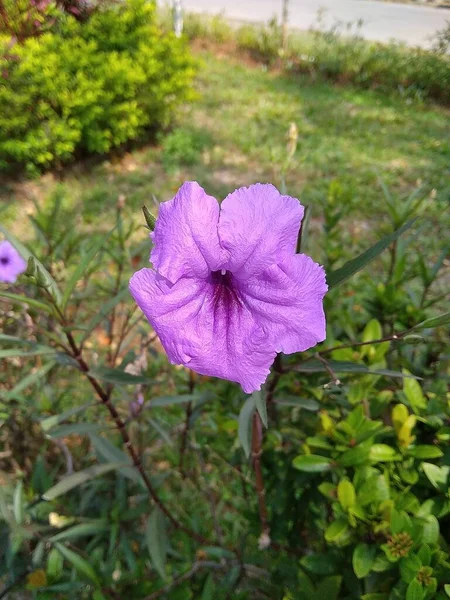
pixel 203 324
pixel 185 237
pixel 259 227
pixel 287 301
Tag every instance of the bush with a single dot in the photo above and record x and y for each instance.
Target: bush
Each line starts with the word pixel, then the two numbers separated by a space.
pixel 90 87
pixel 354 463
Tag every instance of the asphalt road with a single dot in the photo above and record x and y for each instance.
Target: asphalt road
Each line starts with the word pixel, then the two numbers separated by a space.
pixel 382 21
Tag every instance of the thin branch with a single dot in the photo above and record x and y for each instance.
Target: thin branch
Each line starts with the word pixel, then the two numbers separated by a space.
pixel 197 566
pixel 184 436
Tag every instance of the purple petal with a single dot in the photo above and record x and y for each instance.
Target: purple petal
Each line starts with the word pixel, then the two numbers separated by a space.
pixel 259 227
pixel 185 237
pixel 204 325
pixel 287 301
pixel 11 263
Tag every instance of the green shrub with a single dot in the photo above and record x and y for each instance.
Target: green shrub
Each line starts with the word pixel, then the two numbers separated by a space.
pixel 90 87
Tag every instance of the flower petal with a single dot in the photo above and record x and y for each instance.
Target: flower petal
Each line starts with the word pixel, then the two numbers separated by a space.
pixel 287 302
pixel 259 227
pixel 11 263
pixel 185 237
pixel 205 328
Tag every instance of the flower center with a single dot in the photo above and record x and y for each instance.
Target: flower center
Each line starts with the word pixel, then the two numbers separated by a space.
pixel 226 295
pixel 4 260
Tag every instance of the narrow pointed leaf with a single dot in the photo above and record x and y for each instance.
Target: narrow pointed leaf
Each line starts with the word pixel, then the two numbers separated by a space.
pixel 28 381
pixel 76 479
pixel 244 424
pixel 104 311
pixel 156 539
pixel 356 264
pixel 434 321
pixel 261 406
pixel 80 564
pixel 19 299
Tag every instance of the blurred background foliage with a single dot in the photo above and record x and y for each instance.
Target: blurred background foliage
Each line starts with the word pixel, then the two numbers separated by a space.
pixel 356 453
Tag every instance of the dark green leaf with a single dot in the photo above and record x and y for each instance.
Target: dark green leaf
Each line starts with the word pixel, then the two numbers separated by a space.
pixel 356 264
pixel 328 588
pixel 312 463
pixel 74 429
pixel 112 454
pixel 261 406
pixel 363 559
pixel 415 591
pixel 76 479
pixel 169 400
pixel 305 403
pixel 81 530
pixel 119 377
pixel 156 538
pixel 409 566
pixel 80 564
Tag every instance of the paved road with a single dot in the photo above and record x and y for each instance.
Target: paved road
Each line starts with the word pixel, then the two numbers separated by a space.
pixel 382 20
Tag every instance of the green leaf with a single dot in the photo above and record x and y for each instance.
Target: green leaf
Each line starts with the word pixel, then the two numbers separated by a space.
pixel 209 588
pixel 79 563
pixel 383 453
pixel 28 381
pixel 434 322
pixel 346 494
pixel 356 264
pixel 19 503
pixel 76 479
pixel 26 254
pixel 312 463
pixel 306 585
pixel 85 260
pixel 447 589
pixel 105 309
pixel 354 457
pixel 156 539
pixel 426 452
pixel 328 588
pixel 119 377
pixel 74 429
pixel 430 531
pixel 437 476
pixel 363 559
pixel 261 406
pixel 414 394
pixel 319 564
pixel 169 400
pixel 342 366
pixel 81 530
pixel 337 530
pixel 112 454
pixel 415 591
pixel 35 351
pixel 55 564
pixel 409 566
pixel 18 299
pixel 244 424
pixel 305 403
pixel 54 420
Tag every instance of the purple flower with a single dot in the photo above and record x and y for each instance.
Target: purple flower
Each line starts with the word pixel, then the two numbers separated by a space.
pixel 228 291
pixel 11 263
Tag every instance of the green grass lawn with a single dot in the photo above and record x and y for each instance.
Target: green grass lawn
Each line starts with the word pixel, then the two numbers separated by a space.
pixel 236 134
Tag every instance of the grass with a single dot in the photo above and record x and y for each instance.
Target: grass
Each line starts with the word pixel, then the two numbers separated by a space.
pixel 236 134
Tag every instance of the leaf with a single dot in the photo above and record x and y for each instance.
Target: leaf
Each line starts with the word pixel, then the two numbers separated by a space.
pixel 261 406
pixel 156 539
pixel 414 394
pixel 426 452
pixel 337 530
pixel 437 476
pixel 306 403
pixel 447 589
pixel 342 366
pixel 312 463
pixel 319 564
pixel 414 591
pixel 119 377
pixel 79 563
pixel 328 588
pixel 209 588
pixel 363 559
pixel 71 481
pixel 434 322
pixel 354 456
pixel 430 531
pixel 112 454
pixel 244 424
pixel 54 420
pixel 18 299
pixel 81 530
pixel 383 453
pixel 356 264
pixel 74 429
pixel 26 254
pixel 409 566
pixel 81 268
pixel 19 503
pixel 55 564
pixel 104 311
pixel 346 494
pixel 28 381
pixel 168 400
pixel 36 351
